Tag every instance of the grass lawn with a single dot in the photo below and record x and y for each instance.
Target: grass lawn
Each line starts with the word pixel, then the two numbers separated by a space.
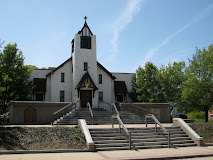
pixel 42 138
pixel 205 130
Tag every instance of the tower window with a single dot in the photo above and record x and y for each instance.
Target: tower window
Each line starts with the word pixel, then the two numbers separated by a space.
pixel 85 66
pixel 62 77
pixel 86 42
pixel 100 78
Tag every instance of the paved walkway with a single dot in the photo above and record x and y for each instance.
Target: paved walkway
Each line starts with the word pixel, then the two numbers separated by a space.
pixel 161 153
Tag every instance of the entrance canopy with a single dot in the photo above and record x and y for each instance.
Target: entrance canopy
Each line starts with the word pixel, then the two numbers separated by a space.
pixel 86 82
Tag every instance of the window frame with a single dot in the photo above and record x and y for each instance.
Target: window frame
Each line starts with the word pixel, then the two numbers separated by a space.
pixel 86 42
pixel 100 98
pixel 100 80
pixel 62 77
pixel 85 66
pixel 62 96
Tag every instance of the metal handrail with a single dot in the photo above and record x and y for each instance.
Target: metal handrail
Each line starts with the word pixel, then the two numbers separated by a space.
pixel 160 125
pixel 64 110
pixel 90 112
pixel 128 133
pixel 116 110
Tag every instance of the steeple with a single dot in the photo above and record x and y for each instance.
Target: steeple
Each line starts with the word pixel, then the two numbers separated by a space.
pixel 85 31
pixel 85 19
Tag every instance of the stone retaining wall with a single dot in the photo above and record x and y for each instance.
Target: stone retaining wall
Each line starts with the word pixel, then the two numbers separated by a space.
pixel 33 112
pixel 160 110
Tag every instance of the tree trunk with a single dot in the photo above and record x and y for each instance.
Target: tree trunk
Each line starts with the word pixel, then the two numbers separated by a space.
pixel 206 114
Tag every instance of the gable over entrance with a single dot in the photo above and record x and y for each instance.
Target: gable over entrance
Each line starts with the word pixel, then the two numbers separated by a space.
pixel 86 83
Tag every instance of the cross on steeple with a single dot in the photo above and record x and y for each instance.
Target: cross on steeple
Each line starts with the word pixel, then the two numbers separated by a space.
pixel 85 18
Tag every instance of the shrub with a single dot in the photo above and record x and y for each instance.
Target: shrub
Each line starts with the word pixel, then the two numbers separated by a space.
pixel 196 115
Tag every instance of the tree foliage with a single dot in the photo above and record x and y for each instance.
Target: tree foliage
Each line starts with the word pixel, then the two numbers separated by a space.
pixel 31 67
pixel 197 90
pixel 148 88
pixel 133 94
pixel 14 84
pixel 171 78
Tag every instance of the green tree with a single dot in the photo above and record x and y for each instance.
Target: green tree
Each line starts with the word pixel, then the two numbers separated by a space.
pixel 31 67
pixel 171 78
pixel 1 43
pixel 197 90
pixel 133 95
pixel 148 88
pixel 14 84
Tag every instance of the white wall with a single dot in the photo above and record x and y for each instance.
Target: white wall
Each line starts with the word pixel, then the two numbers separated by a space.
pixel 56 85
pixel 106 88
pixel 127 77
pixel 81 55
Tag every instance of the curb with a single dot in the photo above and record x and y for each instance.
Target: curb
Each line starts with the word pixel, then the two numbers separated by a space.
pixel 175 157
pixel 208 144
pixel 42 151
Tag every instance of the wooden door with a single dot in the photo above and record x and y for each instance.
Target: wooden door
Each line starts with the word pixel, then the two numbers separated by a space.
pixel 85 96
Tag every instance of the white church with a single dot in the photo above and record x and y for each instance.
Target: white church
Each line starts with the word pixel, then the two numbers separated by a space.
pixel 81 77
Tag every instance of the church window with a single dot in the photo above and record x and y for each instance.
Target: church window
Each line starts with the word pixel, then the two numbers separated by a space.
pixel 85 66
pixel 100 78
pixel 100 95
pixel 61 96
pixel 86 42
pixel 62 77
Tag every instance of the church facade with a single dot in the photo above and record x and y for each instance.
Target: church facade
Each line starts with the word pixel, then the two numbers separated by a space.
pixel 81 77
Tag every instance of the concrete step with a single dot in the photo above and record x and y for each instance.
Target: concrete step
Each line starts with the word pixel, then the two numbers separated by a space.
pixel 144 147
pixel 139 140
pixel 152 143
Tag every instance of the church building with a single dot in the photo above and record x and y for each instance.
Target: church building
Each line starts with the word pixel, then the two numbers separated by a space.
pixel 81 77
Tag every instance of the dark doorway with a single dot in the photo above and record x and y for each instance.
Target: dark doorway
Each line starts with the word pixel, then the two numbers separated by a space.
pixel 120 98
pixel 39 96
pixel 85 96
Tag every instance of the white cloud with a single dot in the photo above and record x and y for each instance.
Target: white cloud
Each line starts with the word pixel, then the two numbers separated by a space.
pixel 132 9
pixel 153 51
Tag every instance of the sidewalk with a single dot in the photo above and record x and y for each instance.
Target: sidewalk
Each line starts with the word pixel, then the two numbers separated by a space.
pixel 161 153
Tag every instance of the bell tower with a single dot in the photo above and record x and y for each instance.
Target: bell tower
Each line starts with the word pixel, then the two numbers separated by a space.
pixel 84 60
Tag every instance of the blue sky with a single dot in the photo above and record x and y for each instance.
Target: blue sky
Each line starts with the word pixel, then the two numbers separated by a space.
pixel 128 32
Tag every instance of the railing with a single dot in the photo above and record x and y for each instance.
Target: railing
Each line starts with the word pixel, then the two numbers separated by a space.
pixel 115 108
pixel 63 111
pixel 90 112
pixel 160 125
pixel 128 133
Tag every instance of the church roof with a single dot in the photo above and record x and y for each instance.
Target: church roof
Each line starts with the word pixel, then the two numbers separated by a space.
pixel 120 87
pixel 87 77
pixel 102 67
pixel 109 73
pixel 59 66
pixel 85 26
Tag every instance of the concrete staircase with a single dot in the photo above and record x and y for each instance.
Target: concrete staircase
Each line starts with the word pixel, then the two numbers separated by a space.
pixel 110 139
pixel 100 117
